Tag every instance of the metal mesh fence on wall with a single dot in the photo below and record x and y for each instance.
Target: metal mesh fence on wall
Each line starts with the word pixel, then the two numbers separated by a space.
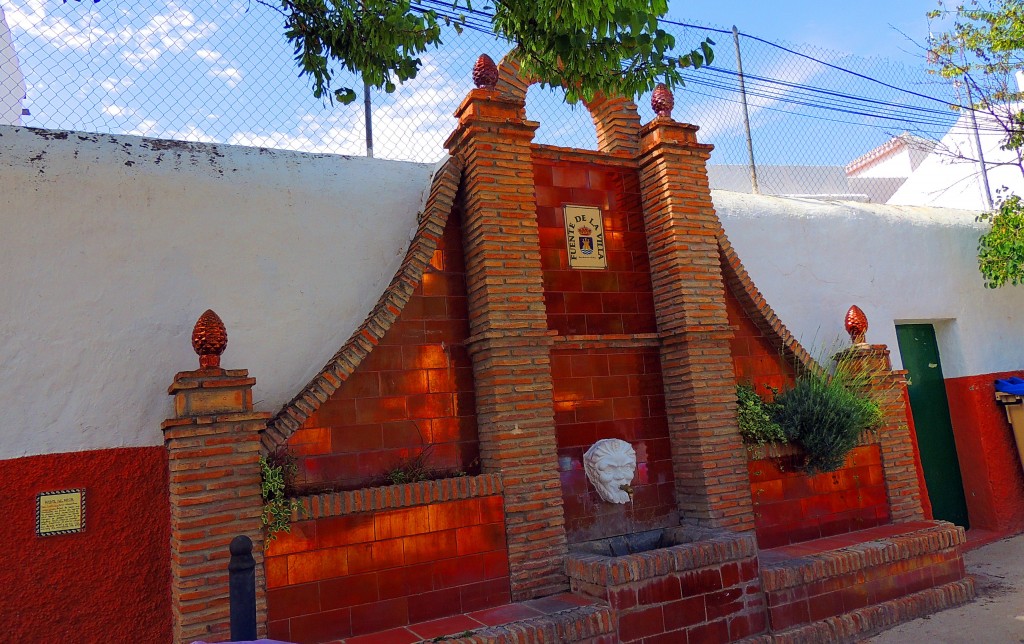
pixel 221 71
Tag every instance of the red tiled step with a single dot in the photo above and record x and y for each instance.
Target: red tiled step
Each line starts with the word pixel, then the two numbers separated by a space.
pixel 457 625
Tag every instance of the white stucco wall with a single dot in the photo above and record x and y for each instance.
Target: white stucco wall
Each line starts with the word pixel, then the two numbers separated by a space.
pixel 112 246
pixel 813 259
pixel 12 82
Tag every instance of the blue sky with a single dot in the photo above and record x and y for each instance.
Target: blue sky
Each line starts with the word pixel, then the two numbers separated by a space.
pixel 220 70
pixel 863 27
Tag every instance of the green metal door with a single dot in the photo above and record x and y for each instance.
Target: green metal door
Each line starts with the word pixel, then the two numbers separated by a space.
pixel 930 409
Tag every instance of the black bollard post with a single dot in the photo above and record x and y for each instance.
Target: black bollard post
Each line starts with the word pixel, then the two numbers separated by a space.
pixel 242 589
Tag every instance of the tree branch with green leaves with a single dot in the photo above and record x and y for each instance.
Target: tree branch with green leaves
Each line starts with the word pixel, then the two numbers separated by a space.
pixel 982 48
pixel 589 47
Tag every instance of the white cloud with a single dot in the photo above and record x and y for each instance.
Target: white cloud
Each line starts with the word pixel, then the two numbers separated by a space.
pixel 116 85
pixel 116 110
pixel 172 31
pixel 208 55
pixel 229 75
pixel 30 16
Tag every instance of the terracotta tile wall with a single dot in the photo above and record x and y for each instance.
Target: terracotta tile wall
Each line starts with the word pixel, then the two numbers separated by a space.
pixel 414 389
pixel 607 385
pixel 612 393
pixel 791 507
pixel 755 358
pixel 335 577
pixel 593 302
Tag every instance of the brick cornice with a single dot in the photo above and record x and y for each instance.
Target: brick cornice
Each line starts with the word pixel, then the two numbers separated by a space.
pixel 432 221
pixel 390 497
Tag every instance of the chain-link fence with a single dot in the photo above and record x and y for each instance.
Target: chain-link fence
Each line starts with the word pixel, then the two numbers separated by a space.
pixel 221 71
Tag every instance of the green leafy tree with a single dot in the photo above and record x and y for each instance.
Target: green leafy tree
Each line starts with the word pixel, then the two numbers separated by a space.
pixel 587 46
pixel 981 48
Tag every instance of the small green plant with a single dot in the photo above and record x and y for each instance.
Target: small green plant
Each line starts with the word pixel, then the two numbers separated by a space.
pixel 755 418
pixel 416 468
pixel 411 470
pixel 826 413
pixel 277 471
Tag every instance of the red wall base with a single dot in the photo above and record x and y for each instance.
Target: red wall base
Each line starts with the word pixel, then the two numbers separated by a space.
pixel 991 470
pixel 110 583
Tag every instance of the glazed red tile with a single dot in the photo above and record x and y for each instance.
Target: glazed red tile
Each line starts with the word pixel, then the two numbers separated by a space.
pixel 437 603
pixel 356 438
pixel 379 616
pixel 405 581
pixel 453 625
pixel 504 614
pixel 331 624
pixel 431 546
pixel 480 538
pixel 352 590
pixel 290 601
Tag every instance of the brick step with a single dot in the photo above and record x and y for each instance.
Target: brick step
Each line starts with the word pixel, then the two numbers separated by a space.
pixel 863 581
pixel 559 618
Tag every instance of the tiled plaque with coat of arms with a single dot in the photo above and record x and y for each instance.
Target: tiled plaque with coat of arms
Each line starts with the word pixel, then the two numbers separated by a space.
pixel 584 237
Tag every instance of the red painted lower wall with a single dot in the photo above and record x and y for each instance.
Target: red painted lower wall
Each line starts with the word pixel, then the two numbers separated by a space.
pixel 991 470
pixel 110 583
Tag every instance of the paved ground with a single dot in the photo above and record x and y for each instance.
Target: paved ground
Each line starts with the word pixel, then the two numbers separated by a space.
pixel 995 617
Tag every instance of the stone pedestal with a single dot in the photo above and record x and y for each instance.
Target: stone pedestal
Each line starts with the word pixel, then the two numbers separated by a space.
pixel 887 388
pixel 213 449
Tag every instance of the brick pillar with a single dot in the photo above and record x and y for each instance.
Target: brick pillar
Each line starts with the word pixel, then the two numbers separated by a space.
pixel 898 463
pixel 709 460
pixel 509 341
pixel 213 449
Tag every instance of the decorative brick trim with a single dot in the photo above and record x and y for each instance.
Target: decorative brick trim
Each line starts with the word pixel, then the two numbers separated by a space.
pixel 711 548
pixel 558 154
pixel 616 120
pixel 609 341
pixel 583 624
pixel 738 281
pixel 390 497
pixel 810 568
pixel 432 220
pixel 855 625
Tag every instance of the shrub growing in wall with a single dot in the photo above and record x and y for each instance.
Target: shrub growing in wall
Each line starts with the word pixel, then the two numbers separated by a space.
pixel 825 414
pixel 754 416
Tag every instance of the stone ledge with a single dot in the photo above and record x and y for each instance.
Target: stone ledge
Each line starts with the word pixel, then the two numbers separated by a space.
pixel 334 504
pixel 705 548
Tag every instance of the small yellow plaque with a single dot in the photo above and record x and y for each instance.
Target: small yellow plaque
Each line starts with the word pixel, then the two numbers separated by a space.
pixel 60 512
pixel 584 237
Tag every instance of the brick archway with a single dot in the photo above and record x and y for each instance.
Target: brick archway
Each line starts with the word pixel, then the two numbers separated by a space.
pixel 615 118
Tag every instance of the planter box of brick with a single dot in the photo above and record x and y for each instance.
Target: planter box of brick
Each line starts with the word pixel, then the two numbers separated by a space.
pixel 791 506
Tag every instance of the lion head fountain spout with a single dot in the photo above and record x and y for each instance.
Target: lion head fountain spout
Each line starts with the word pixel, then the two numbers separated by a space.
pixel 610 465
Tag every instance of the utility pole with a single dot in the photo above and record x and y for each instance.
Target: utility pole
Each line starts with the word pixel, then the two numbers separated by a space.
pixel 368 119
pixel 746 114
pixel 981 153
